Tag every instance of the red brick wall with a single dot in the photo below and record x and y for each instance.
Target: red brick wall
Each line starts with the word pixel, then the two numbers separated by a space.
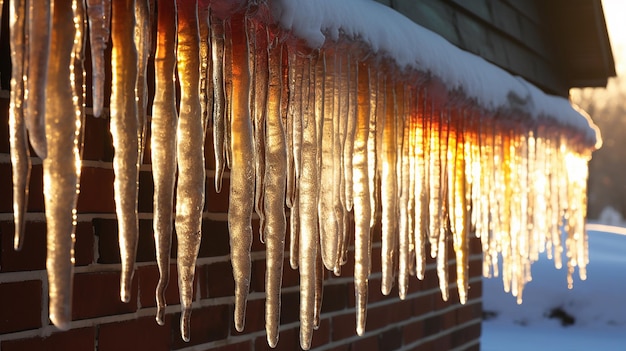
pixel 100 321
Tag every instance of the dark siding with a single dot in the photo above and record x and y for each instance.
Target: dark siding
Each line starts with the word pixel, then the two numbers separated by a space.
pixel 508 33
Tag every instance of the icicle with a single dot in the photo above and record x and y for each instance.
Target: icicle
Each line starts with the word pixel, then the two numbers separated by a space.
pixel 143 43
pixel 308 203
pixel 361 195
pixel 20 155
pixel 348 149
pixel 442 214
pixel 389 190
pixel 460 212
pixel 421 194
pixel 403 170
pixel 289 122
pixel 124 131
pixel 229 64
pixel 62 166
pixel 257 53
pixel 190 157
pixel 219 98
pixel 242 174
pixel 340 125
pixel 206 83
pixel 319 289
pixel 163 145
pixel 36 66
pixel 327 215
pixel 296 109
pixel 274 199
pixel 372 156
pixel 99 15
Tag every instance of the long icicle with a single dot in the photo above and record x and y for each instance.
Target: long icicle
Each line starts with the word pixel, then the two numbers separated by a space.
pixel 163 145
pixel 219 98
pixel 39 16
pixel 274 199
pixel 242 172
pixel 190 157
pixel 143 42
pixel 62 166
pixel 20 154
pixel 124 132
pixel 389 191
pixel 99 15
pixel 361 196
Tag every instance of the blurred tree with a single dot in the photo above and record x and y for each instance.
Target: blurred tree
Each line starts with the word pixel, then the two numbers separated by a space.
pixel 607 169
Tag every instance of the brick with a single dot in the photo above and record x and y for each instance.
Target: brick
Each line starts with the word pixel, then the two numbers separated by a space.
pixel 98 145
pixel 217 202
pixel 145 200
pixel 288 340
pixel 423 304
pixel 443 342
pixel 96 191
pixel 207 324
pixel 97 294
pixel 137 334
pixel 367 343
pixel 83 247
pixel 335 298
pixel 255 318
pixel 390 339
pixel 242 346
pixel 290 307
pixel 32 256
pixel 4 126
pixel 344 326
pixel 257 276
pixel 6 187
pixel 432 325
pixel 344 347
pixel 291 277
pixel 148 277
pixel 412 332
pixel 215 239
pixel 20 303
pixel 35 189
pixel 321 336
pixel 108 241
pixel 74 339
pixel 209 153
pixel 216 280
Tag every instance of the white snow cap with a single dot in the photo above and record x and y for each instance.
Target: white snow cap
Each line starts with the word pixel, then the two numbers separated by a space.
pixel 412 46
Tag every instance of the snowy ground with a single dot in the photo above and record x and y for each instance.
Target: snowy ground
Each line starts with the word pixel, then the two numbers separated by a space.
pixel 598 304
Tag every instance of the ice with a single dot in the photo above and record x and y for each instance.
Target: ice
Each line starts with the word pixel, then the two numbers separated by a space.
pixel 242 170
pixel 124 127
pixel 320 111
pixel 99 16
pixel 62 165
pixel 20 154
pixel 37 36
pixel 190 157
pixel 274 199
pixel 163 145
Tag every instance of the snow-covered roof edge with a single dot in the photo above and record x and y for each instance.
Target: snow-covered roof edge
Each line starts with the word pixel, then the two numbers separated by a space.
pixel 413 46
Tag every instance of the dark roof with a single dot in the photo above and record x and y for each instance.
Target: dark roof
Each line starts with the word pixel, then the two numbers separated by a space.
pixel 581 40
pixel 555 44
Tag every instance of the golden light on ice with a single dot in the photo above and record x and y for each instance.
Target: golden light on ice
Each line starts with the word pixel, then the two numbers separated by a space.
pixel 332 138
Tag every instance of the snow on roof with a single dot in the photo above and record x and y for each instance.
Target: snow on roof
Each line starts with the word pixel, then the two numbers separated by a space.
pixel 411 46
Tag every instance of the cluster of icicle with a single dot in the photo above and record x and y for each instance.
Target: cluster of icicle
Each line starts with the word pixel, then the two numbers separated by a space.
pixel 336 137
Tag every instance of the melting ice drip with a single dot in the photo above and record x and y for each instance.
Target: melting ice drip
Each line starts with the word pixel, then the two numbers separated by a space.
pixel 338 136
